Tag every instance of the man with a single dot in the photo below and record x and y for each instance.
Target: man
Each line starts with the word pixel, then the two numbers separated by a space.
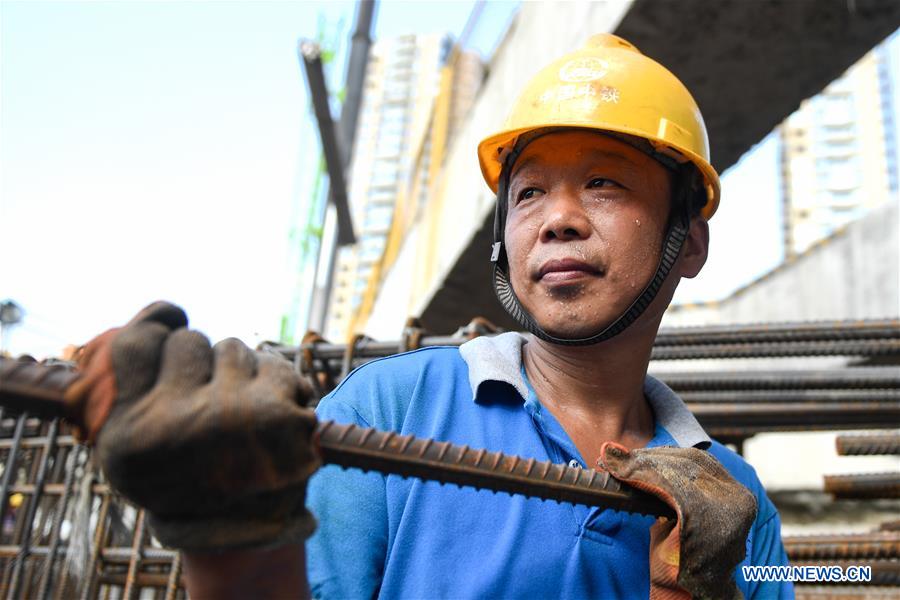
pixel 604 188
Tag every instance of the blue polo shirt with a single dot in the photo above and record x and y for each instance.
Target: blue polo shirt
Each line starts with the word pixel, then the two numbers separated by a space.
pixel 391 537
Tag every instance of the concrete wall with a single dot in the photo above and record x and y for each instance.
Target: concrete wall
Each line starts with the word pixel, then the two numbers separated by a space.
pixel 853 274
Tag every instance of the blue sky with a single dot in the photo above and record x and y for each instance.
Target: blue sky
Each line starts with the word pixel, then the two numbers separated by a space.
pixel 158 150
pixel 154 150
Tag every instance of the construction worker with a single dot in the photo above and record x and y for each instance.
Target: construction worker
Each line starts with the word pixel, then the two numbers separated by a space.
pixel 604 188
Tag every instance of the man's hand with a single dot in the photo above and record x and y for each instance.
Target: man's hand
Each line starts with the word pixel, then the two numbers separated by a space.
pixel 212 441
pixel 696 555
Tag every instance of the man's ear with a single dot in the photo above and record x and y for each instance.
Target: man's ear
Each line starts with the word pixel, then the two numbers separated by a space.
pixel 696 248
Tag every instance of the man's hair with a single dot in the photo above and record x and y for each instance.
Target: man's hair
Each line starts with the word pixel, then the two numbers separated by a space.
pixel 694 196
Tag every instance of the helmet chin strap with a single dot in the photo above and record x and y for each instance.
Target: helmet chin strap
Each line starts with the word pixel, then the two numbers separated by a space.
pixel 676 232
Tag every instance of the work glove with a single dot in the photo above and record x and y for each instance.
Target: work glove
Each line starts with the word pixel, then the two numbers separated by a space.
pixel 694 556
pixel 211 441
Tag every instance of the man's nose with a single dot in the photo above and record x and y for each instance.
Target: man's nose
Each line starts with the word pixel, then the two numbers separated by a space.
pixel 564 218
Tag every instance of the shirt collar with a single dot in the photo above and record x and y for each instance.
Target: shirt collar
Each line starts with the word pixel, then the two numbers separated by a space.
pixel 499 358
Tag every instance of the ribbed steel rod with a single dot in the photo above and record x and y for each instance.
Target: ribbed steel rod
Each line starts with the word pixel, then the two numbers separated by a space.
pixel 142 580
pixel 333 354
pixel 814 331
pixel 390 453
pixel 808 413
pixel 847 378
pixel 35 388
pixel 867 485
pixel 365 350
pixel 50 563
pixel 843 547
pixel 831 591
pixel 800 397
pixel 764 335
pixel 332 357
pixel 110 554
pixel 880 347
pixel 723 430
pixel 408 456
pixel 879 443
pixel 31 507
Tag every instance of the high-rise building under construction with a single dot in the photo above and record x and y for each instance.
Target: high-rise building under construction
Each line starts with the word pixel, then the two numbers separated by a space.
pixel 417 87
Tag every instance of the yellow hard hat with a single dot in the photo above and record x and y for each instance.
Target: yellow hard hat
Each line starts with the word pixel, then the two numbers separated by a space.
pixel 608 85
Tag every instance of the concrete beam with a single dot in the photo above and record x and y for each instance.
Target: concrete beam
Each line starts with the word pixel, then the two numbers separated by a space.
pixel 748 64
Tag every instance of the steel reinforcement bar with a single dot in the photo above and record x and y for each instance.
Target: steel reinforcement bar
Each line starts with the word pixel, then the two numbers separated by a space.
pixel 868 591
pixel 827 338
pixel 772 416
pixel 846 378
pixel 390 453
pixel 801 396
pixel 843 547
pixel 779 349
pixel 387 452
pixel 879 443
pixel 867 485
pixel 333 355
pixel 811 331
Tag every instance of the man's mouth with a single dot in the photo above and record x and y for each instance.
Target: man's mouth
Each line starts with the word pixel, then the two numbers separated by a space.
pixel 566 269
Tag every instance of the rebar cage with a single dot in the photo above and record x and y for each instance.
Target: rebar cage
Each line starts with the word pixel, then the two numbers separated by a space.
pixel 65 534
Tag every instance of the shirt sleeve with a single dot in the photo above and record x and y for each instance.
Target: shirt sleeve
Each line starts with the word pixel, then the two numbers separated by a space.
pixel 345 558
pixel 767 549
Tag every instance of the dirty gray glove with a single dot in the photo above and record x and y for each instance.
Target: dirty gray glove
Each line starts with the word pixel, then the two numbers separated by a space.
pixel 696 555
pixel 212 442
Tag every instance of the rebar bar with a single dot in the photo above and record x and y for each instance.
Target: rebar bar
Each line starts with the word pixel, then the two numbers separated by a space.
pixel 855 378
pixel 31 505
pixel 390 453
pixel 827 338
pixel 55 533
pixel 844 592
pixel 784 416
pixel 799 397
pixel 881 443
pixel 888 347
pixel 779 332
pixel 408 456
pixel 136 556
pixel 847 378
pixel 21 381
pixel 826 331
pixel 843 547
pixel 9 467
pixel 867 485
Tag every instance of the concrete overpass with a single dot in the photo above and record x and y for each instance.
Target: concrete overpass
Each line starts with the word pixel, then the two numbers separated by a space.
pixel 748 64
pixel 854 273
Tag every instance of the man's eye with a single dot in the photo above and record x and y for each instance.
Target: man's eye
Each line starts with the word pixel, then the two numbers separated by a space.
pixel 528 193
pixel 602 182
